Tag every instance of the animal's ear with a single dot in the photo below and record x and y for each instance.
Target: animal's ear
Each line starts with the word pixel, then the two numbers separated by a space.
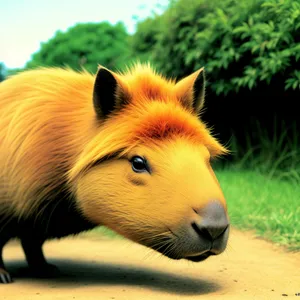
pixel 191 89
pixel 108 92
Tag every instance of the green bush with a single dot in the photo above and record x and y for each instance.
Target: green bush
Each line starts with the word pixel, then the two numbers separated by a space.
pixel 85 45
pixel 2 71
pixel 240 42
pixel 146 37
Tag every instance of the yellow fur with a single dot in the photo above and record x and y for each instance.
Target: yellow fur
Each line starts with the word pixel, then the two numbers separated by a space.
pixel 163 201
pixel 49 135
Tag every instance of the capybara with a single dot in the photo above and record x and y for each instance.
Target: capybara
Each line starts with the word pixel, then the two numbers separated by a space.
pixel 126 150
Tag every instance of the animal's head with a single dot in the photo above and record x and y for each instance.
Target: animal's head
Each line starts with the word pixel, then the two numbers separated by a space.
pixel 146 173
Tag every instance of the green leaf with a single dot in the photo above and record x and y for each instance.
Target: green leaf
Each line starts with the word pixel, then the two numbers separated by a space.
pixel 296 84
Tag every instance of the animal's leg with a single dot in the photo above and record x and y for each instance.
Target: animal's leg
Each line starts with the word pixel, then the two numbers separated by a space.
pixel 36 259
pixel 4 275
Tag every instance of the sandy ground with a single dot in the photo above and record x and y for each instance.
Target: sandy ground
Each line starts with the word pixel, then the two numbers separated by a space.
pixel 100 268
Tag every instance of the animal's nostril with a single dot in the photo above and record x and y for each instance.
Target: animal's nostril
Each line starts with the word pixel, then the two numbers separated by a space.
pixel 209 232
pixel 215 232
pixel 202 231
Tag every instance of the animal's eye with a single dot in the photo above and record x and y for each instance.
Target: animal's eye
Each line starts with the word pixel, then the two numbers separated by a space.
pixel 139 164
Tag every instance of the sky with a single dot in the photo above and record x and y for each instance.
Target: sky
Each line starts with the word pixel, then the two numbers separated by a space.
pixel 24 24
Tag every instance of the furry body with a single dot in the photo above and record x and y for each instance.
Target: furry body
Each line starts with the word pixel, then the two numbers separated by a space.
pixel 53 139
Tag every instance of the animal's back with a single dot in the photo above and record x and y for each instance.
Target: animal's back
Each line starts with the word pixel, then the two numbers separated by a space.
pixel 44 120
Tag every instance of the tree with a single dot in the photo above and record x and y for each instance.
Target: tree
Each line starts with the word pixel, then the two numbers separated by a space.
pixel 2 71
pixel 147 34
pixel 145 38
pixel 85 45
pixel 242 44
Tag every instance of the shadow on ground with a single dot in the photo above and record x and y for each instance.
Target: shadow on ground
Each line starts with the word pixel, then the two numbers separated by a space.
pixel 82 273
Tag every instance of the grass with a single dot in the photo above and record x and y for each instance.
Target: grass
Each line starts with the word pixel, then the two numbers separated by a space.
pixel 269 206
pixel 104 231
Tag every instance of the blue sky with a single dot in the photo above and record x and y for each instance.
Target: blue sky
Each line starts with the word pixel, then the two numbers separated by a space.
pixel 24 24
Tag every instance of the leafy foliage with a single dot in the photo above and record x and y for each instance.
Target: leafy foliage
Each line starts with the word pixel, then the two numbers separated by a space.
pixel 13 71
pixel 85 45
pixel 146 37
pixel 240 42
pixel 2 71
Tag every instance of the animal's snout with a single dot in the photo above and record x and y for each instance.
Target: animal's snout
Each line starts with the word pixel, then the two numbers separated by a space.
pixel 211 222
pixel 206 232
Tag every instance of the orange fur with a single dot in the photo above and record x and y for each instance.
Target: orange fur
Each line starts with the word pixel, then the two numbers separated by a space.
pixel 49 134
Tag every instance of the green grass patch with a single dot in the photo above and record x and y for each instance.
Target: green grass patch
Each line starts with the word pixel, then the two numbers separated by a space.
pixel 104 231
pixel 269 206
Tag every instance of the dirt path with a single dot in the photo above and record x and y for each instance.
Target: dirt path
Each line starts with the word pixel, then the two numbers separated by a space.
pixel 98 268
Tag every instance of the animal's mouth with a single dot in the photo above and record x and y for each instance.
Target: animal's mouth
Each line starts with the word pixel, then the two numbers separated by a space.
pixel 173 255
pixel 201 257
